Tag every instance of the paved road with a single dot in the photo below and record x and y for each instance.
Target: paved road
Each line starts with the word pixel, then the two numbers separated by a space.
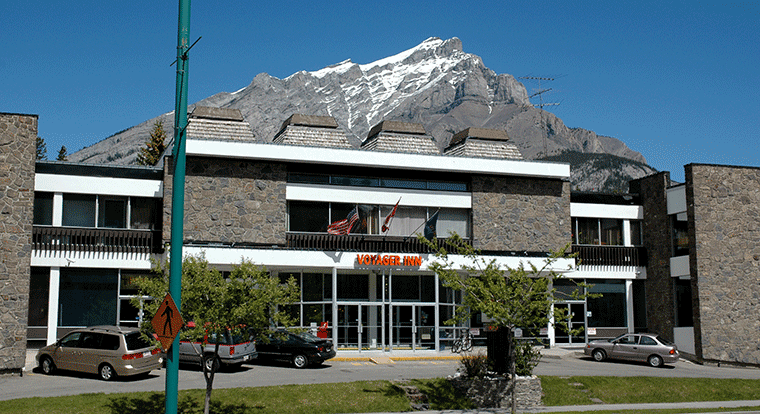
pixel 349 367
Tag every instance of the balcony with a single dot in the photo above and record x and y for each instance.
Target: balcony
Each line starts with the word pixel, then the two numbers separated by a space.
pixel 355 243
pixel 610 255
pixel 77 239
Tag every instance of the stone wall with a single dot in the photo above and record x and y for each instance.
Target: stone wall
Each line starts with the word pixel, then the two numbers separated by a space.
pixel 657 240
pixel 230 201
pixel 497 393
pixel 724 213
pixel 18 135
pixel 520 214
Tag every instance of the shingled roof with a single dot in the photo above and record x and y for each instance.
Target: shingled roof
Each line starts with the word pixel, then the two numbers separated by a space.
pixel 311 131
pixel 397 136
pixel 218 124
pixel 482 142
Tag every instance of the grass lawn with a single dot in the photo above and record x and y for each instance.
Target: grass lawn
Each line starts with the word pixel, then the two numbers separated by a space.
pixel 383 396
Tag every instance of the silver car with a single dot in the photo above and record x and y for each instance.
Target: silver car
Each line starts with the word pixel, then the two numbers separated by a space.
pixel 107 351
pixel 644 347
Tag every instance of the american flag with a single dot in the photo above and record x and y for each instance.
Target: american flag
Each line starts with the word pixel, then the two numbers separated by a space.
pixel 344 226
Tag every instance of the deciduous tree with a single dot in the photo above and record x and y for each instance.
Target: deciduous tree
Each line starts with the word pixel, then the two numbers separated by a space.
pixel 248 299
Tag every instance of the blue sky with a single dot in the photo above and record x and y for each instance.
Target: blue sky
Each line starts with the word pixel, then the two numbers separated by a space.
pixel 676 81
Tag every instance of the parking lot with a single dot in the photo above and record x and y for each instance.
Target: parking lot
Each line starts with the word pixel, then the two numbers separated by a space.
pixel 348 366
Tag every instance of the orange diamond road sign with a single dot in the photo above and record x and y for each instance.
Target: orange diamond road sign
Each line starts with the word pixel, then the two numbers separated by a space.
pixel 167 322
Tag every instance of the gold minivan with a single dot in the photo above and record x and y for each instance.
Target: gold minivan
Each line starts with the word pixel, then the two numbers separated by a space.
pixel 107 351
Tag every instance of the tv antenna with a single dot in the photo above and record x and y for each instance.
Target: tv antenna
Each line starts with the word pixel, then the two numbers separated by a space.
pixel 540 105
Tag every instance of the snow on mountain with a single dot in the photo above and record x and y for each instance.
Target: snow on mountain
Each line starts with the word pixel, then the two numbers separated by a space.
pixel 434 83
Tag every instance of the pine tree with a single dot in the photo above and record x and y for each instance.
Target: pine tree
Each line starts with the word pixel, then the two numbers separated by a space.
pixel 62 154
pixel 41 149
pixel 154 147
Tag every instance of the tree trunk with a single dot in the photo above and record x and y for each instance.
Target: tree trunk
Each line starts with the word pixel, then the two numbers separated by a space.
pixel 512 369
pixel 209 377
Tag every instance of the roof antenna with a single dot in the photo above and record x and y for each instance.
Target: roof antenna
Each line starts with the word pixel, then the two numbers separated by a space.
pixel 541 105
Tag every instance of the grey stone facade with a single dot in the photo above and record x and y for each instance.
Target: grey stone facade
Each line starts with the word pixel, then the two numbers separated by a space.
pixel 660 308
pixel 18 135
pixel 723 206
pixel 520 214
pixel 230 201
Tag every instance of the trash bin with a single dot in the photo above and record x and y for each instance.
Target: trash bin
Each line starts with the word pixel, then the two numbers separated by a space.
pixel 498 352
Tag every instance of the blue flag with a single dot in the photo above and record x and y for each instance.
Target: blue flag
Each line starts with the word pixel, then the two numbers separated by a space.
pixel 429 231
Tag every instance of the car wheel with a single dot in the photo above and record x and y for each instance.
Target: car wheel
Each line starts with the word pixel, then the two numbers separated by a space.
pixel 300 361
pixel 599 355
pixel 655 361
pixel 47 366
pixel 106 372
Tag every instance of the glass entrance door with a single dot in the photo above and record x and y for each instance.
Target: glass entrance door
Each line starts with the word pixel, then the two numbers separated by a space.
pixel 360 326
pixel 402 327
pixel 575 320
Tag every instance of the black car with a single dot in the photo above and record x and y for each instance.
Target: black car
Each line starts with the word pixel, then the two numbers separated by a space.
pixel 301 349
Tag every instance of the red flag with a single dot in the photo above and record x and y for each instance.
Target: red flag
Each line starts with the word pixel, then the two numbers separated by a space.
pixel 344 226
pixel 390 216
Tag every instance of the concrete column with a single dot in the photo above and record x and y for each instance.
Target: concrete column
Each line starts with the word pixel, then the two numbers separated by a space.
pixel 629 305
pixel 53 295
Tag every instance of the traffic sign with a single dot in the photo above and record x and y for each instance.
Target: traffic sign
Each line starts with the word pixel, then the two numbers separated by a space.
pixel 167 322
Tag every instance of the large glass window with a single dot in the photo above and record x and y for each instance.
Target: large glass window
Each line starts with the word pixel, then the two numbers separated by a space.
pixel 453 221
pixel 43 209
pixel 353 287
pixel 609 310
pixel 79 210
pixel 309 216
pixel 367 181
pixel 88 297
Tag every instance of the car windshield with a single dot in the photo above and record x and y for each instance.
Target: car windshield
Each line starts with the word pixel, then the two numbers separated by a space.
pixel 135 341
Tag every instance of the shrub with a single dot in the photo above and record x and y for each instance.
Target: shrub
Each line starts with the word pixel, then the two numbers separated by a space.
pixel 474 365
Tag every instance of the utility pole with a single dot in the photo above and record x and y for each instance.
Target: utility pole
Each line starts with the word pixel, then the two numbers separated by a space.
pixel 540 105
pixel 178 198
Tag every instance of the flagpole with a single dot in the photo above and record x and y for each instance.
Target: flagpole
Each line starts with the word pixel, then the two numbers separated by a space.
pixel 425 222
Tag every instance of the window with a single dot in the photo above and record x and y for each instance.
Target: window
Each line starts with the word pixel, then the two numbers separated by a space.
pixel 637 237
pixel 112 212
pixel 612 232
pixel 43 209
pixel 680 234
pixel 609 310
pixel 587 230
pixel 594 231
pixel 39 289
pixel 88 297
pixel 308 216
pixel 78 210
pixel 145 213
pixel 370 181
pixel 684 311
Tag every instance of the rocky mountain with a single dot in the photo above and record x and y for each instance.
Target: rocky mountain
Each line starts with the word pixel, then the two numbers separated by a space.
pixel 435 83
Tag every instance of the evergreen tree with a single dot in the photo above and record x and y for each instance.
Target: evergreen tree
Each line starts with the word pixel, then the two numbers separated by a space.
pixel 154 147
pixel 41 149
pixel 62 154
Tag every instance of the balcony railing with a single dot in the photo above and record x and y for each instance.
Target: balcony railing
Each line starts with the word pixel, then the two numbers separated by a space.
pixel 610 255
pixel 355 242
pixel 76 239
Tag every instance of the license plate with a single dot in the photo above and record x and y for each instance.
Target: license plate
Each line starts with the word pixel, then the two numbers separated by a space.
pixel 146 354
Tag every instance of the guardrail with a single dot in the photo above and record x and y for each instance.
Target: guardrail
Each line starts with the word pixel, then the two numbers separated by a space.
pixel 610 255
pixel 77 239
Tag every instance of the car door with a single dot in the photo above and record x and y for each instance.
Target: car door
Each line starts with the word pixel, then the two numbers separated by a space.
pixel 269 347
pixel 67 351
pixel 625 347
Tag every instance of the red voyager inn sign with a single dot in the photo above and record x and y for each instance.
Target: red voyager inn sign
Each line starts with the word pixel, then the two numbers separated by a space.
pixel 388 260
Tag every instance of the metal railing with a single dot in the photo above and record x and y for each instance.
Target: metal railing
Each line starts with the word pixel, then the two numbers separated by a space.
pixel 77 239
pixel 610 255
pixel 355 242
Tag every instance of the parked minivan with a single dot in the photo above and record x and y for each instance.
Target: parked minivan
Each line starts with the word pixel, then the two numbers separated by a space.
pixel 107 351
pixel 235 348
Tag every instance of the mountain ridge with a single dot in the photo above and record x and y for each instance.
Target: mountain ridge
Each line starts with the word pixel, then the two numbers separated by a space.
pixel 434 83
